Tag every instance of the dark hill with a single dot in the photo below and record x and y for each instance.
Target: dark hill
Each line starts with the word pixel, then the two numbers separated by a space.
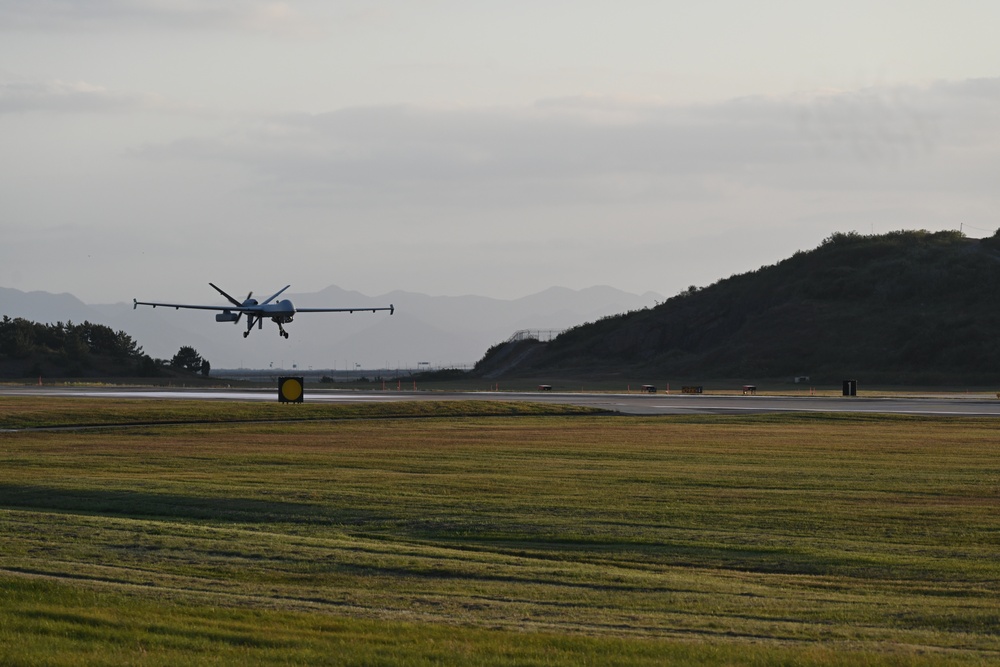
pixel 905 307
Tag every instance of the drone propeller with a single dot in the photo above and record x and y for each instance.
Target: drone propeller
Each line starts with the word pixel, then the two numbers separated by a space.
pixel 240 314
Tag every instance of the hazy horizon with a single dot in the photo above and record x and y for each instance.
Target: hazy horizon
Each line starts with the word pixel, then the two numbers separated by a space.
pixel 442 331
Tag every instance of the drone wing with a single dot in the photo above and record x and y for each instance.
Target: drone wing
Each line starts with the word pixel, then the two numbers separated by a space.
pixel 154 304
pixel 360 309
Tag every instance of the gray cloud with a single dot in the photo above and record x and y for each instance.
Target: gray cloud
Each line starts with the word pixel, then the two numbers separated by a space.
pixel 405 148
pixel 588 149
pixel 156 14
pixel 62 97
pixel 874 125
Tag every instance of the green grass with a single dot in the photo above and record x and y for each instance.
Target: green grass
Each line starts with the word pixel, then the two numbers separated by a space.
pixel 21 412
pixel 538 540
pixel 54 624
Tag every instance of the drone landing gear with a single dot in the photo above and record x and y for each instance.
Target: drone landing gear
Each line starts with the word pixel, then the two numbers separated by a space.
pixel 281 330
pixel 251 320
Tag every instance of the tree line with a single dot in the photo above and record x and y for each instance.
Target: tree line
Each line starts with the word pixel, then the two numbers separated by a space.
pixel 73 348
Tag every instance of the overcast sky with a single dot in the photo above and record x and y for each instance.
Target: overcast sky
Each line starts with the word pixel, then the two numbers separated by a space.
pixel 150 146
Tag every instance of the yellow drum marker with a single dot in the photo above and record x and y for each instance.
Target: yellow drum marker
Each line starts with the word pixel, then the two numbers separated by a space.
pixel 290 389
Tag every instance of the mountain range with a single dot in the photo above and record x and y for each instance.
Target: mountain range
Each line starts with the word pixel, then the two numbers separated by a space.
pixel 425 331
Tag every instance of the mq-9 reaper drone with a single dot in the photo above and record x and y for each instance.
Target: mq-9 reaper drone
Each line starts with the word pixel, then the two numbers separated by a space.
pixel 280 312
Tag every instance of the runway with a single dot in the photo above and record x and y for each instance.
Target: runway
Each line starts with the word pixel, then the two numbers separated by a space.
pixel 631 404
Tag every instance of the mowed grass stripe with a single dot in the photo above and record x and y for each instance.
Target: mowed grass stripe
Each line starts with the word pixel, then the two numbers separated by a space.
pixel 397 581
pixel 53 624
pixel 33 412
pixel 868 535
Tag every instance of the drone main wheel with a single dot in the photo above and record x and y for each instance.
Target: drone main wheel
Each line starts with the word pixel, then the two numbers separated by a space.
pixel 285 334
pixel 246 333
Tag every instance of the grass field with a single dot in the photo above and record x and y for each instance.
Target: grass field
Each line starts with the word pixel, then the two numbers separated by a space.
pixel 365 536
